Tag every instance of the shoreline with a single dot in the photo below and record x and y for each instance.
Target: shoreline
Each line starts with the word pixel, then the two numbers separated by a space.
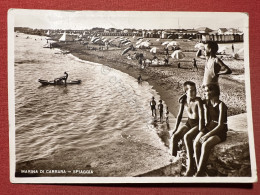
pixel 168 80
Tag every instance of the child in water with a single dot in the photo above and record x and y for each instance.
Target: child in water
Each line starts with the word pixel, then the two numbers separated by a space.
pixel 160 108
pixel 167 115
pixel 153 107
pixel 215 130
pixel 214 65
pixel 194 108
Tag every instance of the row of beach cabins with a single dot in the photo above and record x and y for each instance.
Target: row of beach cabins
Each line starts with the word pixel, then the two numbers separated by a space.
pixel 203 34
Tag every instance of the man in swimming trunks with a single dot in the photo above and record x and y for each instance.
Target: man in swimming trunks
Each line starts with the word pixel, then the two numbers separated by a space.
pixel 194 108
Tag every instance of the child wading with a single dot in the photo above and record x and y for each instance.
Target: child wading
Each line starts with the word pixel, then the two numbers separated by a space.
pixel 160 108
pixel 194 108
pixel 214 66
pixel 215 130
pixel 153 106
pixel 167 115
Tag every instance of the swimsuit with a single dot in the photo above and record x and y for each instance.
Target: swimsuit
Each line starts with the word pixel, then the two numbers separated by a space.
pixel 192 123
pixel 214 117
pixel 210 76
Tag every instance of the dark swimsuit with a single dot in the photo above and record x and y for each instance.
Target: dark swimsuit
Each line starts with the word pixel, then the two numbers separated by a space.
pixel 192 123
pixel 214 117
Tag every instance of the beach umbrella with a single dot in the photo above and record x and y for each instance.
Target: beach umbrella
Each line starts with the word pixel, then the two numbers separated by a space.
pixel 139 38
pixel 127 43
pixel 116 37
pixel 190 38
pixel 172 43
pixel 93 39
pixel 123 42
pixel 178 54
pixel 200 46
pixel 126 50
pixel 158 40
pixel 110 41
pixel 138 42
pixel 146 44
pixel 153 50
pixel 240 51
pixel 165 43
pixel 96 40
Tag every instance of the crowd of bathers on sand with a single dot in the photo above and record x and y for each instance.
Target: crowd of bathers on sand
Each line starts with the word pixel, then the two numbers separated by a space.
pixel 207 117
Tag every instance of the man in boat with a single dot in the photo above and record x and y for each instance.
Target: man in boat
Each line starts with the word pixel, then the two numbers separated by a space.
pixel 65 77
pixel 60 79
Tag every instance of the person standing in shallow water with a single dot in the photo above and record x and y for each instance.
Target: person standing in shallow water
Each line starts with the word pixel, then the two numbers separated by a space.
pixel 160 108
pixel 153 106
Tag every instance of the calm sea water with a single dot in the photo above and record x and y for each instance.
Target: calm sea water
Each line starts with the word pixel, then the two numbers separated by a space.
pixel 107 106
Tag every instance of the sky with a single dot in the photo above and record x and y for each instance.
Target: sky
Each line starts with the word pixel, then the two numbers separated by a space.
pixel 79 20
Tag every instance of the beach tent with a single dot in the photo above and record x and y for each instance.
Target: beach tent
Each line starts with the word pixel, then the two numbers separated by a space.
pixel 153 50
pixel 178 54
pixel 200 46
pixel 63 37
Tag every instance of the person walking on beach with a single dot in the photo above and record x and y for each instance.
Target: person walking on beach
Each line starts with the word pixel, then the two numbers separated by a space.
pixel 195 64
pixel 194 108
pixel 233 49
pixel 179 65
pixel 167 115
pixel 166 60
pixel 215 130
pixel 139 79
pixel 214 65
pixel 160 108
pixel 153 107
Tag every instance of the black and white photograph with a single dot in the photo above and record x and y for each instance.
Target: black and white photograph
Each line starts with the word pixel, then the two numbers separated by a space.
pixel 129 97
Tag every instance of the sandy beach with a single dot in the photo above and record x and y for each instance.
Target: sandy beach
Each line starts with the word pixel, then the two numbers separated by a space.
pixel 168 80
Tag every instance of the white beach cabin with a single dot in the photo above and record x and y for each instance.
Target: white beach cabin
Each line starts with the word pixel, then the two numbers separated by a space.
pixel 63 37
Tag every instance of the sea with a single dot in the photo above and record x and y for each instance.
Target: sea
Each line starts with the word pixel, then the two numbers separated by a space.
pixel 106 107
